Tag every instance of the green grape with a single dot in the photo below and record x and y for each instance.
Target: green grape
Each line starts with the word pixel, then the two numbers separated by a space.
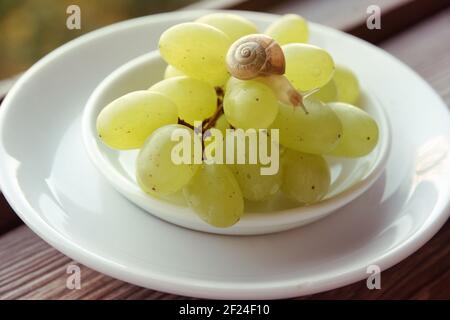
pixel 317 131
pixel 232 25
pixel 347 85
pixel 250 104
pixel 254 185
pixel 126 122
pixel 360 131
pixel 327 93
pixel 307 67
pixel 232 82
pixel 172 72
pixel 198 50
pixel 306 177
pixel 222 125
pixel 214 194
pixel 259 173
pixel 290 28
pixel 196 99
pixel 156 171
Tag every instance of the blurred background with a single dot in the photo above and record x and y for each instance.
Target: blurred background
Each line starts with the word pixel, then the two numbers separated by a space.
pixel 29 29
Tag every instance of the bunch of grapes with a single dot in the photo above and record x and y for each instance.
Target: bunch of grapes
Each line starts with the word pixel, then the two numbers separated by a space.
pixel 225 74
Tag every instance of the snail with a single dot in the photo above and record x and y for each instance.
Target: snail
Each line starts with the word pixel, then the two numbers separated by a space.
pixel 259 57
pixel 255 55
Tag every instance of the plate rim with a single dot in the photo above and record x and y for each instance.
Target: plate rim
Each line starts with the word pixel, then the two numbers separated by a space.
pixel 185 286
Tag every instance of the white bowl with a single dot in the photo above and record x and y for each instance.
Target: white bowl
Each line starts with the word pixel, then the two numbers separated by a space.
pixel 350 177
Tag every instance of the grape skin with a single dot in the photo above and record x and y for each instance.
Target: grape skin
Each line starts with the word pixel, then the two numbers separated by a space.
pixel 196 100
pixel 198 50
pixel 254 186
pixel 343 87
pixel 347 85
pixel 156 173
pixel 250 104
pixel 307 67
pixel 222 125
pixel 306 177
pixel 290 28
pixel 126 122
pixel 214 194
pixel 172 72
pixel 360 131
pixel 232 25
pixel 317 132
pixel 328 93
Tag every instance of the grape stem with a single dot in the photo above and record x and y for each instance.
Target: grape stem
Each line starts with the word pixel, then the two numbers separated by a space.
pixel 184 123
pixel 211 122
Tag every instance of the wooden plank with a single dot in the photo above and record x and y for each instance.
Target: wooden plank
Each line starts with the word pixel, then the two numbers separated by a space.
pixel 339 14
pixel 351 16
pixel 426 49
pixel 213 4
pixel 398 19
pixel 424 275
pixel 8 218
pixel 30 269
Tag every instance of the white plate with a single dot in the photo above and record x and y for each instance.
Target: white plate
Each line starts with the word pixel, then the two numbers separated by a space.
pixel 48 179
pixel 350 177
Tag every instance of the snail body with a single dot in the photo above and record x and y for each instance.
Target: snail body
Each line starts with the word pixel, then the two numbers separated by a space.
pixel 259 57
pixel 254 56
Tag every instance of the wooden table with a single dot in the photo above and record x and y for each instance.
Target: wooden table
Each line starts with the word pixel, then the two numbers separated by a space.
pixel 417 32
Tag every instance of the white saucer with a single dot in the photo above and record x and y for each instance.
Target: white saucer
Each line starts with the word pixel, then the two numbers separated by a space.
pixel 48 179
pixel 349 177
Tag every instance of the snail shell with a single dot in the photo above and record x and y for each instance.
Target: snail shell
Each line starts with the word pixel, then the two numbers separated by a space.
pixel 255 55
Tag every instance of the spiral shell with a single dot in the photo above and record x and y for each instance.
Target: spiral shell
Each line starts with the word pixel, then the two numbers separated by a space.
pixel 255 55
